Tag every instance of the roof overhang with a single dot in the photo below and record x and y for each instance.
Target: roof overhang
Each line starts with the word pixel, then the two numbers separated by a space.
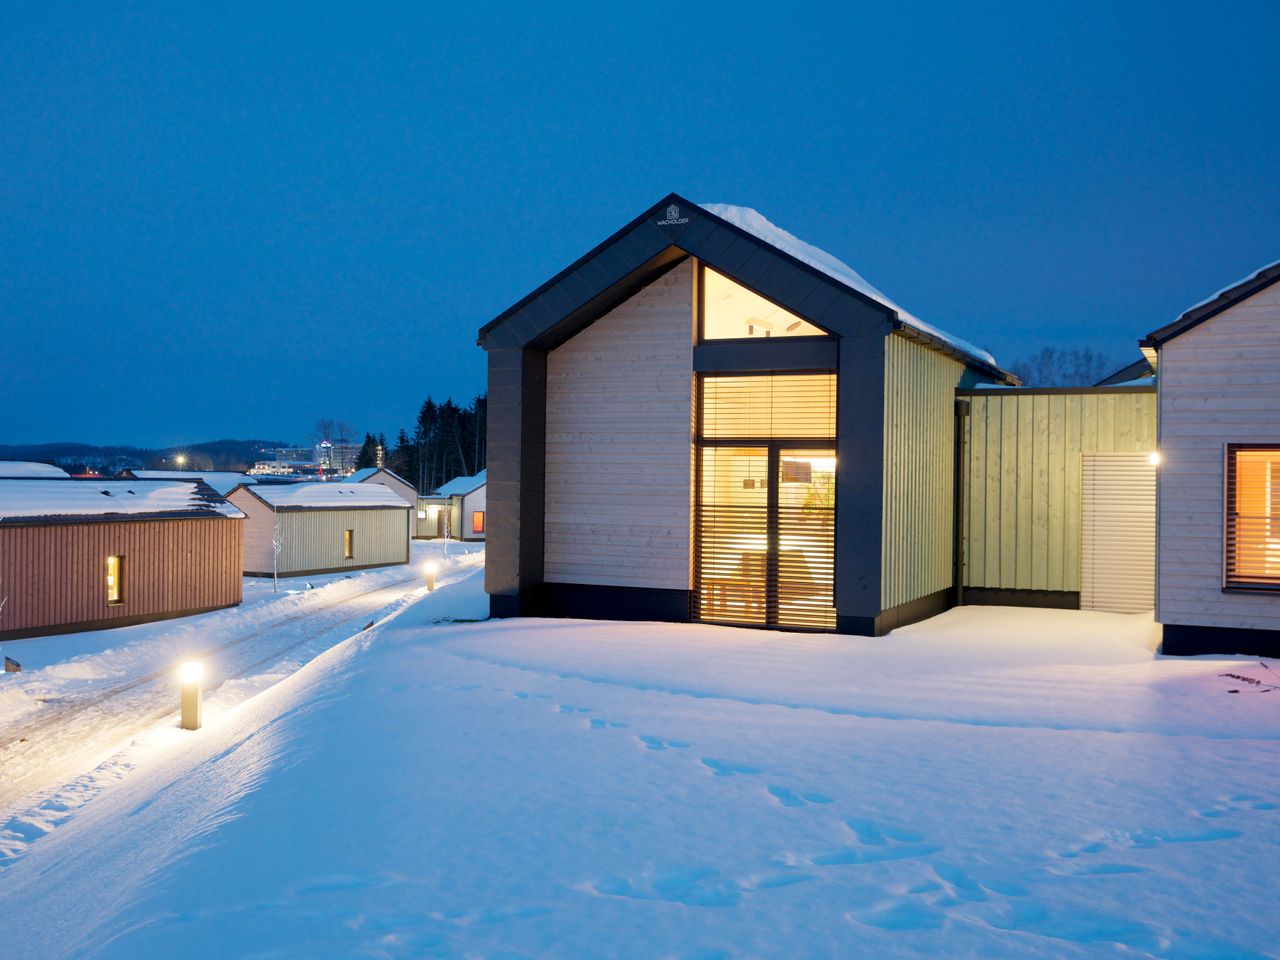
pixel 1223 300
pixel 655 242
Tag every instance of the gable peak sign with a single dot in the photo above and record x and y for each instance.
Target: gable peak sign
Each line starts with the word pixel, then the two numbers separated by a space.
pixel 673 217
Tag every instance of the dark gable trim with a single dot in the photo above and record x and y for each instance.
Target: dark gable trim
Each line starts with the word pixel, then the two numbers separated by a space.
pixel 1134 371
pixel 766 356
pixel 650 245
pixel 1206 311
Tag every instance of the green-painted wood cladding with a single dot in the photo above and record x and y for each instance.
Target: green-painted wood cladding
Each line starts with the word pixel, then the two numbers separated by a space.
pixel 1023 482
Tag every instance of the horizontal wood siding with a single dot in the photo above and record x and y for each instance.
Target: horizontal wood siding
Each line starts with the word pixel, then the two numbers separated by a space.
pixel 1118 533
pixel 1219 384
pixel 618 449
pixel 1023 489
pixel 919 471
pixel 55 575
pixel 259 530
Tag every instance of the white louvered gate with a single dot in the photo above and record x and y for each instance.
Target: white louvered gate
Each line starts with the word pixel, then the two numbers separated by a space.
pixel 1118 533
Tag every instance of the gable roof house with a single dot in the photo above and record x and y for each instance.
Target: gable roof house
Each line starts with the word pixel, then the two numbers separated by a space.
pixel 389 479
pixel 90 554
pixel 466 503
pixel 324 527
pixel 666 417
pixel 1218 381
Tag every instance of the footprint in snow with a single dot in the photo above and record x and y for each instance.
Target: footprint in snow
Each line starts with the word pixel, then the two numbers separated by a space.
pixel 1145 840
pixel 1238 803
pixel 722 768
pixel 876 843
pixel 569 708
pixel 657 743
pixel 595 723
pixel 789 798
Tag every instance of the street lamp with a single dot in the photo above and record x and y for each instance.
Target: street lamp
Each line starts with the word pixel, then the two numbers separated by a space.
pixel 180 459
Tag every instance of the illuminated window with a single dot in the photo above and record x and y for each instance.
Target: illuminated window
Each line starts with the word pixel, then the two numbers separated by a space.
pixel 349 544
pixel 1252 527
pixel 732 312
pixel 477 521
pixel 115 579
pixel 422 514
pixel 791 406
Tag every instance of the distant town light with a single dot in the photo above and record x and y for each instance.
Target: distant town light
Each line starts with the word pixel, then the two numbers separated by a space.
pixel 180 459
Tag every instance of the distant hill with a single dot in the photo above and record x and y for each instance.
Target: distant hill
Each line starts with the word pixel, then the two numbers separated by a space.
pixel 210 455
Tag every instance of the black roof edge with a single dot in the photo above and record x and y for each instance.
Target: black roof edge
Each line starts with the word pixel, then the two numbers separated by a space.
pixel 1050 391
pixel 1227 298
pixel 950 349
pixel 1131 371
pixel 541 288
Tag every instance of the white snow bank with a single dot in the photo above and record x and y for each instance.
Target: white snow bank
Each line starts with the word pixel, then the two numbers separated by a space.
pixel 85 498
pixel 224 481
pixel 22 469
pixel 755 224
pixel 328 495
pixel 575 788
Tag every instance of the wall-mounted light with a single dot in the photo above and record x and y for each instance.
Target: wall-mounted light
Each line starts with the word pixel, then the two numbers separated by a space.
pixel 1153 458
pixel 432 569
pixel 191 678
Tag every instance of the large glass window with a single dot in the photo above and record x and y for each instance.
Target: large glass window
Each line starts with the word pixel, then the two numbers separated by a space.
pixel 784 406
pixel 732 312
pixel 1252 528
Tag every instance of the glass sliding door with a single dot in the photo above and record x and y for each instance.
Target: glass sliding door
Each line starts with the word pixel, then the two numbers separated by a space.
pixel 766 501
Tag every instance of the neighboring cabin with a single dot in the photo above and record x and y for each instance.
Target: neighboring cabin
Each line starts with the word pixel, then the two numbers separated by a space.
pixel 465 500
pixel 407 491
pixel 325 527
pixel 1218 370
pixel 82 555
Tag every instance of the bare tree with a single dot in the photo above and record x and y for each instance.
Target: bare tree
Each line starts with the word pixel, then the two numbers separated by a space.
pixel 277 544
pixel 1057 367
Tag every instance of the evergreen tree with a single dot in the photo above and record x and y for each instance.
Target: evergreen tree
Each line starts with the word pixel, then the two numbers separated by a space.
pixel 368 456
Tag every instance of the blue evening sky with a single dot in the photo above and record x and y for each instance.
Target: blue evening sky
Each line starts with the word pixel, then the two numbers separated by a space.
pixel 234 219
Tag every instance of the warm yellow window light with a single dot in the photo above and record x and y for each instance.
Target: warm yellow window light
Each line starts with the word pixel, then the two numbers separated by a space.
pixel 115 579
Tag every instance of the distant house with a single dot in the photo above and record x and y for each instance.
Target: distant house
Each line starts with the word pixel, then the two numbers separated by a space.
pixel 88 554
pixel 431 518
pixel 223 481
pixel 324 527
pixel 407 491
pixel 466 505
pixel 1218 369
pixel 29 470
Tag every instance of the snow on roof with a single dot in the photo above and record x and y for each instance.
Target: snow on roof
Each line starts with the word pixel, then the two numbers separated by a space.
pixel 224 481
pixel 95 498
pixel 361 475
pixel 328 495
pixel 755 224
pixel 459 486
pixel 29 470
pixel 1230 287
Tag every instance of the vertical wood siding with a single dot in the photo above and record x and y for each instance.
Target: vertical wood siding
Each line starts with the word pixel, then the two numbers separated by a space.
pixel 919 470
pixel 55 574
pixel 1023 489
pixel 619 409
pixel 313 539
pixel 1219 384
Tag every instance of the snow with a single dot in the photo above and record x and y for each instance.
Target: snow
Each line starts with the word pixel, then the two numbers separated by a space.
pixel 361 475
pixel 23 469
pixel 992 783
pixel 755 224
pixel 1229 287
pixel 326 494
pixel 223 481
pixel 461 486
pixel 85 498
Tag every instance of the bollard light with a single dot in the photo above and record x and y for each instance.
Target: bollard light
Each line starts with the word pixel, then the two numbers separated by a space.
pixel 191 676
pixel 432 569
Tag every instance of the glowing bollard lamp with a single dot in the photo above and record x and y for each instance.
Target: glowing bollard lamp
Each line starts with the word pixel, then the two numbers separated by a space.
pixel 432 569
pixel 192 677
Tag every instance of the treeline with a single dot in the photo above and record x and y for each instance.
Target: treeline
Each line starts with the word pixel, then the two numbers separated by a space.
pixel 447 441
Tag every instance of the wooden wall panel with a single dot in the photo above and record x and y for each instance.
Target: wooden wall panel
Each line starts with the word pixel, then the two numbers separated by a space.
pixel 55 574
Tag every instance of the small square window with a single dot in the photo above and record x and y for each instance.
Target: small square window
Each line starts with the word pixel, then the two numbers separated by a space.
pixel 477 521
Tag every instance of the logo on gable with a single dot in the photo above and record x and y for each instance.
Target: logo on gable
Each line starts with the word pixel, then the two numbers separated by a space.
pixel 673 217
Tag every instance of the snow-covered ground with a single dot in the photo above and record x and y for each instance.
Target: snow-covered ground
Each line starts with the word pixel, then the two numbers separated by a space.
pixel 992 783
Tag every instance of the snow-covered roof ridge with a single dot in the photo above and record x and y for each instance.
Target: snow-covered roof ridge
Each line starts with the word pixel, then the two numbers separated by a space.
pixel 224 481
pixel 756 224
pixel 1230 287
pixel 26 499
pixel 328 494
pixel 459 486
pixel 31 470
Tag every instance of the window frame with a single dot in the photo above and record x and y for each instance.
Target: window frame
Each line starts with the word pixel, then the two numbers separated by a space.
pixel 349 544
pixel 1228 490
pixel 700 300
pixel 115 592
pixel 477 527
